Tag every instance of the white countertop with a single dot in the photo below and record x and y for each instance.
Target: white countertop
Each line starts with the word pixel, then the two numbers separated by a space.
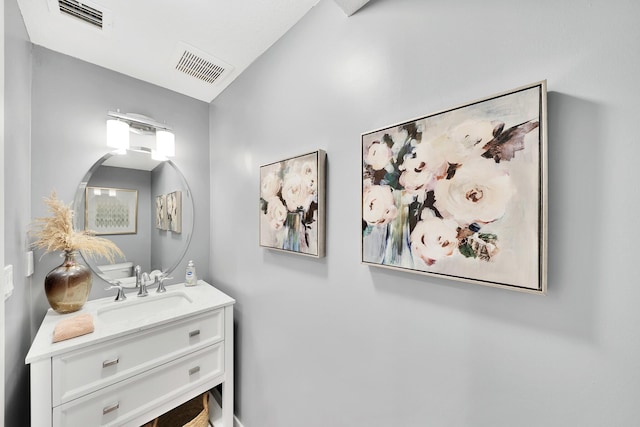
pixel 203 296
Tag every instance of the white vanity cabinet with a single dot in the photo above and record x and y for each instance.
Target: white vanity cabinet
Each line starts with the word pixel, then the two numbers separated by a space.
pixel 132 369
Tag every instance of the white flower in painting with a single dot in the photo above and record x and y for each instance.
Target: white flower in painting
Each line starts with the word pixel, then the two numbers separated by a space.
pixel 474 132
pixel 295 192
pixel 465 140
pixel 270 185
pixel 276 212
pixel 309 172
pixel 433 239
pixel 378 155
pixel 400 137
pixel 378 205
pixel 478 192
pixel 422 168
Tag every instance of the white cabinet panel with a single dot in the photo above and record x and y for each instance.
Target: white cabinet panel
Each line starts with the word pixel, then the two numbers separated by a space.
pixel 120 402
pixel 80 372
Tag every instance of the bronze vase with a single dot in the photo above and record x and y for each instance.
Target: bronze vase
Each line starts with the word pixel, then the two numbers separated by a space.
pixel 67 286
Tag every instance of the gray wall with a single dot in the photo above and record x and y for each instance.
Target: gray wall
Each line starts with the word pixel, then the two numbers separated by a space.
pixel 56 109
pixel 17 193
pixel 332 342
pixel 70 103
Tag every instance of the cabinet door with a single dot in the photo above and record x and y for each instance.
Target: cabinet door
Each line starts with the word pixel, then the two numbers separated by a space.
pixel 122 402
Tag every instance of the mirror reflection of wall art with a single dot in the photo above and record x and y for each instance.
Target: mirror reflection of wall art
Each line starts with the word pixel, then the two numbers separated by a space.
pixel 161 212
pixel 174 212
pixel 461 194
pixel 111 210
pixel 292 204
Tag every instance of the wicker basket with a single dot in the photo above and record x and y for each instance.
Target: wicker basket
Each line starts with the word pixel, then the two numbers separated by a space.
pixel 194 413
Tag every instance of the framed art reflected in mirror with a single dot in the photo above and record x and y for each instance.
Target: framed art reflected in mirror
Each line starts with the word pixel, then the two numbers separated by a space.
pixel 111 210
pixel 161 212
pixel 174 211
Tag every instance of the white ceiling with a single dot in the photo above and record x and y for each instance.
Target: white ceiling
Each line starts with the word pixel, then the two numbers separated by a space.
pixel 145 39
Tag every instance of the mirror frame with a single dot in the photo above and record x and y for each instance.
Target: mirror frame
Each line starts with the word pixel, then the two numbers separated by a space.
pixel 78 206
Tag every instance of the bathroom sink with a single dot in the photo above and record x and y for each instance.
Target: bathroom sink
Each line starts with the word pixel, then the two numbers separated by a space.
pixel 135 309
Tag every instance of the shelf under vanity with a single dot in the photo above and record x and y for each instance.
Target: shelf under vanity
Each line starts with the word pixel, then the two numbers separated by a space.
pixel 145 357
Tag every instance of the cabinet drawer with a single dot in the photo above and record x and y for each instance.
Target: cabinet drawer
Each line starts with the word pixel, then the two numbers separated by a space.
pixel 123 402
pixel 84 371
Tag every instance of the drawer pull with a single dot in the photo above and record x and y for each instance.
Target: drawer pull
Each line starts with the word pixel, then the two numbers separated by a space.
pixel 194 370
pixel 110 408
pixel 111 362
pixel 194 333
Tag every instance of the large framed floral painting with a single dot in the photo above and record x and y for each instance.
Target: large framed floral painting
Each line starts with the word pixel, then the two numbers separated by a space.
pixel 292 204
pixel 461 194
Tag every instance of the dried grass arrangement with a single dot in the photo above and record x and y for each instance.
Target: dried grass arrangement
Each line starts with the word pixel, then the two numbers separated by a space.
pixel 56 233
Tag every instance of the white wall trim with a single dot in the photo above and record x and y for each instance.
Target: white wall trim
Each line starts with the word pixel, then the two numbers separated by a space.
pixel 236 422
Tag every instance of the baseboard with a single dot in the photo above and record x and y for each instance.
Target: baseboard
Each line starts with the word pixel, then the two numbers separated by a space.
pixel 236 422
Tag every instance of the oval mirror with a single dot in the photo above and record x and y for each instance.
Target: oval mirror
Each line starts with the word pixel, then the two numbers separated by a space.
pixel 143 205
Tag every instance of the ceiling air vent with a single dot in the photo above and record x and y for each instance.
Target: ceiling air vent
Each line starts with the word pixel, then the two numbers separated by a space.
pixel 201 66
pixel 81 11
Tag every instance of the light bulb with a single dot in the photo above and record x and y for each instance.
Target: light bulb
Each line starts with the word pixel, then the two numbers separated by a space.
pixel 165 143
pixel 117 134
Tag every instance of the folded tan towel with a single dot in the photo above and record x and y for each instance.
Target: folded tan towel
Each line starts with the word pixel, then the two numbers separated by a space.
pixel 73 327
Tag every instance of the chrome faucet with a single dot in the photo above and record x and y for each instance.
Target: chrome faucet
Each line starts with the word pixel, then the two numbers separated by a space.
pixel 144 280
pixel 120 295
pixel 138 273
pixel 159 280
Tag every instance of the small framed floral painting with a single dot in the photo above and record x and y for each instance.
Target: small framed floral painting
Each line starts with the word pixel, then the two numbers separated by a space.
pixel 161 212
pixel 174 211
pixel 461 194
pixel 292 204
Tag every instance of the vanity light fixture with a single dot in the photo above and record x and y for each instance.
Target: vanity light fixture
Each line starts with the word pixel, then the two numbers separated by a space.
pixel 118 135
pixel 165 145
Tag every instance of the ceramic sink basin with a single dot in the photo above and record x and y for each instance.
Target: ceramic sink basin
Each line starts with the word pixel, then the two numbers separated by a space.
pixel 135 309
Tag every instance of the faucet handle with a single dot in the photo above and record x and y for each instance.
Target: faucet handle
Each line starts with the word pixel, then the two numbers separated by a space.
pixel 160 278
pixel 120 295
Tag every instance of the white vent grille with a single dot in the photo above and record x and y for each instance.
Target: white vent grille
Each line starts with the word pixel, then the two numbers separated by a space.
pixel 81 11
pixel 199 67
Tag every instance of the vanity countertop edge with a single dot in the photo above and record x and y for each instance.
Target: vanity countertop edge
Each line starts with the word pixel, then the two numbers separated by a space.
pixel 205 297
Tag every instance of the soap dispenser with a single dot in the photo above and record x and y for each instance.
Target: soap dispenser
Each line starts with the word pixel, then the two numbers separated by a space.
pixel 190 278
